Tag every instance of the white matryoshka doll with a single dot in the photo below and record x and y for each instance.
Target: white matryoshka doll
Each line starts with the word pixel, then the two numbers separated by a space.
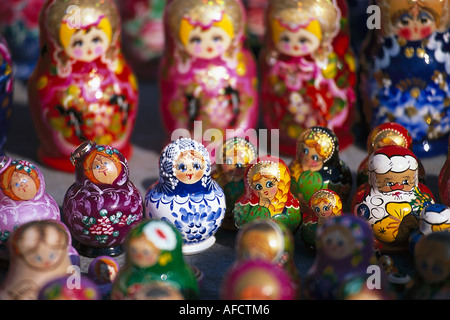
pixel 82 88
pixel 404 72
pixel 207 73
pixel 186 195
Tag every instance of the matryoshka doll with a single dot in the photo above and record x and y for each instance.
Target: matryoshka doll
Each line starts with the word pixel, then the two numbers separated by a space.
pixel 268 195
pixel 207 73
pixel 102 205
pixel 385 134
pixel 317 166
pixel 186 195
pixel 392 199
pixel 432 265
pixel 404 72
pixel 82 88
pixel 23 197
pixel 102 272
pixel 344 251
pixel 257 280
pixel 66 288
pixel 6 91
pixel 232 160
pixel 444 180
pixel 154 253
pixel 270 241
pixel 307 68
pixel 324 204
pixel 39 254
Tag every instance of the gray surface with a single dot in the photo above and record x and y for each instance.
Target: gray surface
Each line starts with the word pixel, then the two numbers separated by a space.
pixel 148 140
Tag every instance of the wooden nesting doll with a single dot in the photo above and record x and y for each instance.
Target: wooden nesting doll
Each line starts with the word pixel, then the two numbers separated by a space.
pixel 6 91
pixel 154 253
pixel 39 253
pixel 67 288
pixel 102 272
pixel 324 204
pixel 102 205
pixel 444 180
pixel 308 70
pixel 82 88
pixel 392 199
pixel 207 73
pixel 231 162
pixel 268 195
pixel 22 196
pixel 432 265
pixel 385 134
pixel 143 35
pixel 270 241
pixel 186 195
pixel 257 280
pixel 317 166
pixel 344 251
pixel 404 71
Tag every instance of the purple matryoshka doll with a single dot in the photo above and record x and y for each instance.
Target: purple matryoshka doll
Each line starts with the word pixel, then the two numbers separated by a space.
pixel 82 88
pixel 307 68
pixel 207 73
pixel 186 195
pixel 344 251
pixel 405 68
pixel 22 196
pixel 103 204
pixel 6 91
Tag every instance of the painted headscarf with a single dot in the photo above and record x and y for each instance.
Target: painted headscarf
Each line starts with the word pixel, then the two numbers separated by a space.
pixel 168 183
pixel 276 167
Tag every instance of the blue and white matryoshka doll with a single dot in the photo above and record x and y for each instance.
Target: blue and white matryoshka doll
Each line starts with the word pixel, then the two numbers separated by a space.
pixel 405 71
pixel 186 195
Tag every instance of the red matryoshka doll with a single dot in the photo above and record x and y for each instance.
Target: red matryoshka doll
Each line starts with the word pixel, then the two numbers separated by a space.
pixel 307 70
pixel 82 88
pixel 385 134
pixel 317 166
pixel 392 199
pixel 39 254
pixel 268 195
pixel 405 68
pixel 324 204
pixel 444 180
pixel 103 205
pixel 231 161
pixel 207 73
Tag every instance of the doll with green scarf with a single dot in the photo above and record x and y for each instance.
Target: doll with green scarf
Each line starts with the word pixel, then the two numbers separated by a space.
pixel 154 253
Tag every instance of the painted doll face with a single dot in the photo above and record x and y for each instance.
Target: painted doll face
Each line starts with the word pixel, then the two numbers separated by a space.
pixel 88 45
pixel 310 158
pixel 431 264
pixel 297 43
pixel 42 252
pixel 189 167
pixel 107 272
pixel 337 243
pixel 209 43
pixel 23 186
pixel 143 253
pixel 323 209
pixel 266 187
pixel 393 181
pixel 236 161
pixel 104 169
pixel 416 24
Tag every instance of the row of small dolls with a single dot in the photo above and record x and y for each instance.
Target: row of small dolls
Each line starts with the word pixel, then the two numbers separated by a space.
pixel 102 206
pixel 44 266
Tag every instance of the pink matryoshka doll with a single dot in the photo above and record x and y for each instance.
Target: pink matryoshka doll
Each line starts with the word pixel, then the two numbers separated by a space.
pixel 308 71
pixel 207 74
pixel 82 88
pixel 22 196
pixel 103 204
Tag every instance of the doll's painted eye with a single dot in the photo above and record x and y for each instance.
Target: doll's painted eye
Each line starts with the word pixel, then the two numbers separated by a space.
pixel 424 18
pixel 390 184
pixel 78 43
pixel 17 184
pixel 285 39
pixel 38 258
pixel 97 40
pixel 269 184
pixel 316 209
pixel 305 151
pixel 239 165
pixel 97 167
pixel 405 20
pixel 197 166
pixel 217 38
pixel 258 186
pixel 315 157
pixel 195 40
pixel 326 208
pixel 229 161
pixel 182 167
pixel 303 40
pixel 405 182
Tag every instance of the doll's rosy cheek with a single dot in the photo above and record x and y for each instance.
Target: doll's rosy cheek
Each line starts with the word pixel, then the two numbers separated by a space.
pixel 98 50
pixel 286 46
pixel 78 53
pixel 405 33
pixel 197 48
